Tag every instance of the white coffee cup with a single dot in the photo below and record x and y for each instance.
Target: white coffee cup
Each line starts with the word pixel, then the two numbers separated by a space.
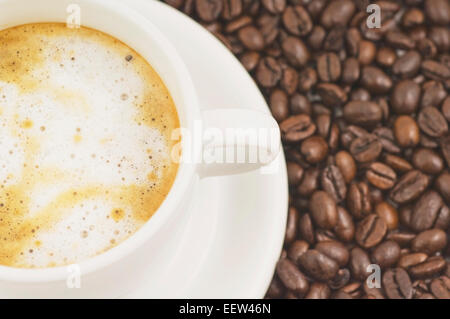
pixel 118 270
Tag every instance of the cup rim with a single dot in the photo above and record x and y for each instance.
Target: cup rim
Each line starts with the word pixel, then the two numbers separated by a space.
pixel 185 173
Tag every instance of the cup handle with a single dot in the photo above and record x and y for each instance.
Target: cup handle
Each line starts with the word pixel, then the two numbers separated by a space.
pixel 237 141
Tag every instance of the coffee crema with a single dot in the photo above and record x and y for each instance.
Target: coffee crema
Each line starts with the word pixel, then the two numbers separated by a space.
pixel 85 142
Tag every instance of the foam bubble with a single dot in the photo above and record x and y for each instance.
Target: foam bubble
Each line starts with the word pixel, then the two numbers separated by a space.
pixel 84 144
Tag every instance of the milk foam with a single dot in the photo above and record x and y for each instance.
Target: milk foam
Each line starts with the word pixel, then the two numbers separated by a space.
pixel 84 144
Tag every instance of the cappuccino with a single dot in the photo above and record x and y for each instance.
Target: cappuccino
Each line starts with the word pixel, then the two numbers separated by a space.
pixel 85 144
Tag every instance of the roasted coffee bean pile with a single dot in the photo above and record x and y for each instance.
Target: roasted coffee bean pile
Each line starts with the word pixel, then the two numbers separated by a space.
pixel 364 116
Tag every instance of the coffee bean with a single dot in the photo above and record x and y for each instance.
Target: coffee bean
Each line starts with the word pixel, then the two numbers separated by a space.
pixel 297 128
pixel 295 173
pixel 323 210
pixel 296 249
pixel 279 105
pixel 375 80
pixel 388 213
pixel 445 148
pixel 276 289
pixel 440 287
pixel 175 3
pixel 366 148
pixel 427 142
pixel 352 39
pixel 397 163
pixel 345 227
pixel 335 251
pixel 307 79
pixel 251 38
pixel 386 57
pixel 320 109
pixel 405 97
pixel 359 261
pixel 433 93
pixel 208 10
pixel 316 37
pixel 291 277
pixel 407 65
pixel 358 200
pixel 376 195
pixel 397 284
pixel 429 241
pixel 405 214
pixel 432 122
pixel 333 183
pixel 299 104
pixel 446 109
pixel 370 231
pixel 291 225
pixel 318 290
pixel 274 6
pixel 409 187
pixel 323 235
pixel 341 295
pixel 346 165
pixel 338 13
pixel 413 17
pixel 310 182
pixel 268 25
pixel 435 70
pixel 306 229
pixel 314 149
pixel 318 265
pixel 250 60
pixel 362 113
pixel 331 94
pixel 289 80
pixel 441 37
pixel 381 176
pixel 329 67
pixel 399 40
pixel 297 20
pixel 295 51
pixel 341 279
pixel 428 161
pixel 335 39
pixel 351 133
pixel 237 24
pixel 323 122
pixel 438 11
pixel 386 254
pixel 315 7
pixel 387 139
pixel 427 48
pixel 410 260
pixel 430 267
pixel 360 95
pixel 443 185
pixel 351 71
pixel 401 238
pixel 231 9
pixel 406 131
pixel 268 72
pixel 367 52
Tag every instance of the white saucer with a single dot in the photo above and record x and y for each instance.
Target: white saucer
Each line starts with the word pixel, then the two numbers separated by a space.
pixel 236 227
